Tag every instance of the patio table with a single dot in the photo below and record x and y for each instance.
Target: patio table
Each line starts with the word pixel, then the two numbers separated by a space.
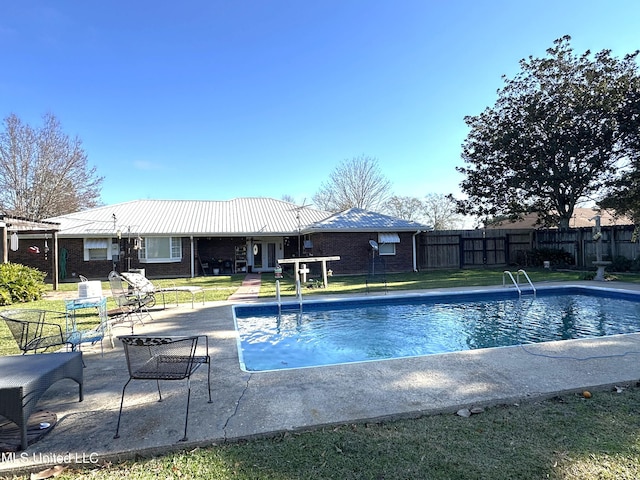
pixel 25 378
pixel 76 337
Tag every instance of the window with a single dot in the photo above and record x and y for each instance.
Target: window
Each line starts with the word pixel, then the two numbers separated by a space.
pixel 387 248
pixel 308 243
pixel 98 249
pixel 160 250
pixel 387 243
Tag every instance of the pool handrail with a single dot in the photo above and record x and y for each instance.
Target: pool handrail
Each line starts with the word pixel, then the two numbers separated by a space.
pixel 521 271
pixel 515 284
pixel 299 292
pixel 278 297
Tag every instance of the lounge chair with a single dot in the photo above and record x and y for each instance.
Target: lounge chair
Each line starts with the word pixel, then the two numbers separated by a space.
pixel 133 306
pixel 145 287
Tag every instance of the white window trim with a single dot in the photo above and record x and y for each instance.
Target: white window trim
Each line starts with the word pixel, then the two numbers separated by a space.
pixel 383 246
pixel 172 259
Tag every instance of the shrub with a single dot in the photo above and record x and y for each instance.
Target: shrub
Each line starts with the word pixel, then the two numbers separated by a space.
pixel 620 264
pixel 635 265
pixel 557 257
pixel 19 283
pixel 588 275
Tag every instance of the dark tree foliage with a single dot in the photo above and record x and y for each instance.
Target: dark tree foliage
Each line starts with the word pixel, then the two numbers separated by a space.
pixel 553 139
pixel 623 195
pixel 43 172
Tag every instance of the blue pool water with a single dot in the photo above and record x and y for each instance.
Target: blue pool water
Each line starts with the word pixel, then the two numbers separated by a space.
pixel 346 331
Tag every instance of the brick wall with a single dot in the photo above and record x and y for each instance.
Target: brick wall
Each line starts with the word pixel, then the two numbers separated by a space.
pixel 355 252
pixel 158 270
pixel 41 261
pixel 97 269
pixel 353 249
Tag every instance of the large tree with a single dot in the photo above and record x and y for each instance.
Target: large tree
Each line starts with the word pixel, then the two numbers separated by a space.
pixel 357 182
pixel 407 208
pixel 436 210
pixel 623 195
pixel 439 211
pixel 553 138
pixel 624 199
pixel 43 172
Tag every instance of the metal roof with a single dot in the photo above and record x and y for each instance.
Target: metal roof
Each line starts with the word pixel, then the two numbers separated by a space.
pixel 14 224
pixel 238 217
pixel 357 219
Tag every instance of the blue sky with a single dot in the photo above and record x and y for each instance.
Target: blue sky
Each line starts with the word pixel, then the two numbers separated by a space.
pixel 211 99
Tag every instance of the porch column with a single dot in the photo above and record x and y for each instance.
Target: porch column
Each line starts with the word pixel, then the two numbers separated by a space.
pixel 5 239
pixel 54 259
pixel 192 260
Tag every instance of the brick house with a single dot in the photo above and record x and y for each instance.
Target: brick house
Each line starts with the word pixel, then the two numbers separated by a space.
pixel 354 233
pixel 185 238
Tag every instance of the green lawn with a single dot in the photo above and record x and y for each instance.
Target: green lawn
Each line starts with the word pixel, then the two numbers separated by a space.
pixel 568 437
pixel 216 288
pixel 355 284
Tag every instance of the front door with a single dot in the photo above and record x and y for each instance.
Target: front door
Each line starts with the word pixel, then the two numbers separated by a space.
pixel 264 256
pixel 271 255
pixel 257 256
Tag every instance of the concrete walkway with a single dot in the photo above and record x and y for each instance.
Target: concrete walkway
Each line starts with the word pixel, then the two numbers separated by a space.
pixel 249 290
pixel 247 405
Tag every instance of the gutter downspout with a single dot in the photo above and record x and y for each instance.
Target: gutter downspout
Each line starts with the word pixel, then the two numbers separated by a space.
pixel 415 251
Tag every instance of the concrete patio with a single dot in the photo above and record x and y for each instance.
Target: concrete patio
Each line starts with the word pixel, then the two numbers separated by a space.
pixel 247 405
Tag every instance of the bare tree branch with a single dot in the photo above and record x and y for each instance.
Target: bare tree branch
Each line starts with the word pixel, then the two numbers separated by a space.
pixel 407 208
pixel 357 182
pixel 44 173
pixel 440 212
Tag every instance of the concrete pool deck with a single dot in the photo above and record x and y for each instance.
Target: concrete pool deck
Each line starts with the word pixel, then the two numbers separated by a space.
pixel 247 405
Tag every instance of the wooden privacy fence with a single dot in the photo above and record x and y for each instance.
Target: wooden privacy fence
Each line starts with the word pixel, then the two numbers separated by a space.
pixel 495 247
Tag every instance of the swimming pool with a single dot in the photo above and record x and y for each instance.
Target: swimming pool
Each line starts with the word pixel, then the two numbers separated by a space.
pixel 328 332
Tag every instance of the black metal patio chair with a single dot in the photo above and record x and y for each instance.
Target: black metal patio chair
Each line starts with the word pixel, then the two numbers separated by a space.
pixel 165 358
pixel 31 330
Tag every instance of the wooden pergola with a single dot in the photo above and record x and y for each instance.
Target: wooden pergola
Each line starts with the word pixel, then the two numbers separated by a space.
pixel 24 226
